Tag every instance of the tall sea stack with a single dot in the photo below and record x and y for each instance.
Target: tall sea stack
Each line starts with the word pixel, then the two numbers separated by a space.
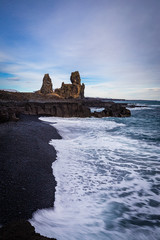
pixel 47 85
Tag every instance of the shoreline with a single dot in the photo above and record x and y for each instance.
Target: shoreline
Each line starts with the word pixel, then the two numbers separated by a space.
pixel 26 177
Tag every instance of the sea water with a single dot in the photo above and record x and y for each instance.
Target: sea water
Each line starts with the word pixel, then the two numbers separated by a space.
pixel 108 178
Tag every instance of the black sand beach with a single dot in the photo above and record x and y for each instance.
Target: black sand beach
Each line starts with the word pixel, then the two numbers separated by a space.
pixel 26 179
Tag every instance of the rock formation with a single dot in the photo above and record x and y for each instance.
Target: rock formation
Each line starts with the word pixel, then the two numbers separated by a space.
pixel 47 85
pixel 74 90
pixel 113 110
pixel 10 111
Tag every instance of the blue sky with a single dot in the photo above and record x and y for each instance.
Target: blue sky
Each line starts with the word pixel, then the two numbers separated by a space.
pixel 114 44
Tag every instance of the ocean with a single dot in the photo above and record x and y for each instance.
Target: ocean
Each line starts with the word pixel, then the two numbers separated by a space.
pixel 108 178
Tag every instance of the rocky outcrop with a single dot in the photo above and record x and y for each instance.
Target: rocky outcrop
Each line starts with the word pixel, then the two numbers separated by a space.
pixel 74 90
pixel 47 85
pixel 9 114
pixel 10 111
pixel 113 110
pixel 20 230
pixel 76 108
pixel 58 109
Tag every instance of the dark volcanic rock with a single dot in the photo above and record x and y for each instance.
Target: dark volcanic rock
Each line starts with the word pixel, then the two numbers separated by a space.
pixel 8 114
pixel 9 111
pixel 20 230
pixel 113 110
pixel 47 85
pixel 58 109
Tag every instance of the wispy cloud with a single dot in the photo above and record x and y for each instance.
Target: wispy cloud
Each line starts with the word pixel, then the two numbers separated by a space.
pixel 114 45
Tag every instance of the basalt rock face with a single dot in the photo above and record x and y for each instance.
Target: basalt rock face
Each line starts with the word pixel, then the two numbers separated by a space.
pixel 113 110
pixel 47 85
pixel 74 90
pixel 58 109
pixel 10 111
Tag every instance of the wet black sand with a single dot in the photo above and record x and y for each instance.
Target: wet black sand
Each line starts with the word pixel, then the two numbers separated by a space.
pixel 26 179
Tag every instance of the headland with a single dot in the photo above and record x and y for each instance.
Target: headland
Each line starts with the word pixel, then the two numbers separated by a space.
pixel 67 101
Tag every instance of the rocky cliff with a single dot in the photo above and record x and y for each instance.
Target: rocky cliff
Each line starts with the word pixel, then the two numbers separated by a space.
pixel 73 90
pixel 10 111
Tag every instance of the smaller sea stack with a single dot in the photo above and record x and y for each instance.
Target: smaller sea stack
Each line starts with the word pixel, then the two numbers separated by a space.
pixel 73 90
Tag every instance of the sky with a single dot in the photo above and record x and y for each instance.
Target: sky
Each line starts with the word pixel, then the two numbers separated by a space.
pixel 114 44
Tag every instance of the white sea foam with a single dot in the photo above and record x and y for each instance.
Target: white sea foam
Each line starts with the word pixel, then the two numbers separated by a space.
pixel 139 108
pixel 98 188
pixel 96 109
